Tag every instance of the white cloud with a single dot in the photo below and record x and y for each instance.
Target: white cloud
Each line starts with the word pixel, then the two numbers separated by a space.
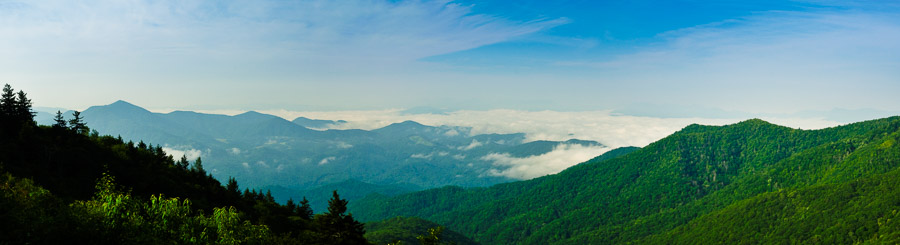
pixel 327 160
pixel 560 158
pixel 343 145
pixel 472 145
pixel 602 126
pixel 451 133
pixel 421 155
pixel 190 153
pixel 234 151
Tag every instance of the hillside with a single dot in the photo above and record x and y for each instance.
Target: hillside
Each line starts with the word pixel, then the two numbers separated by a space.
pixel 696 171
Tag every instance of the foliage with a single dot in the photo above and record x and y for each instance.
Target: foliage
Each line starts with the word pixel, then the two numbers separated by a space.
pixel 407 230
pixel 691 173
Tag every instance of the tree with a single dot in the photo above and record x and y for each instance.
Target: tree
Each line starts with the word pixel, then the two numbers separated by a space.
pixel 433 237
pixel 23 108
pixel 232 186
pixel 77 123
pixel 183 162
pixel 15 108
pixel 304 210
pixel 60 121
pixel 198 166
pixel 7 102
pixel 338 227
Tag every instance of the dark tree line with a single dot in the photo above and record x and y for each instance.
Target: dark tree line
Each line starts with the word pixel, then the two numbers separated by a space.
pixel 15 108
pixel 50 193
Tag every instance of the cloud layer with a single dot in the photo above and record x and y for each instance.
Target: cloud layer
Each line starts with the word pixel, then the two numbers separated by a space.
pixel 562 157
pixel 602 126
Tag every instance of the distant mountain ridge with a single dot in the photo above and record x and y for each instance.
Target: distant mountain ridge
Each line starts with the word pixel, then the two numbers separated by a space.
pixel 264 150
pixel 317 123
pixel 748 178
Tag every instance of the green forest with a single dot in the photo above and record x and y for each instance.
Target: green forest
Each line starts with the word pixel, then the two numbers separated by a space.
pixel 750 182
pixel 65 183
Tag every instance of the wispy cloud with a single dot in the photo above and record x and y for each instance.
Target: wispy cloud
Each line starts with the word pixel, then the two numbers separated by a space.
pixel 761 63
pixel 317 32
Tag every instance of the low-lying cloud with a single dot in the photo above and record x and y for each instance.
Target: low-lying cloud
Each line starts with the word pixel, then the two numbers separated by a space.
pixel 603 126
pixel 562 157
pixel 190 153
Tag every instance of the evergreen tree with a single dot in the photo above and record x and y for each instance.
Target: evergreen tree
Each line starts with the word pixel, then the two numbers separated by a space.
pixel 290 205
pixel 7 102
pixel 198 166
pixel 269 197
pixel 183 162
pixel 77 123
pixel 23 108
pixel 304 210
pixel 340 228
pixel 60 121
pixel 232 186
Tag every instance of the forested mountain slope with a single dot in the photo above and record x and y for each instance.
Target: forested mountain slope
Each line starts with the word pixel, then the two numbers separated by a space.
pixel 696 171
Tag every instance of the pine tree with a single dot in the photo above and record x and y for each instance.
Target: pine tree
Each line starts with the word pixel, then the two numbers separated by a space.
pixel 183 162
pixel 60 121
pixel 269 197
pixel 290 205
pixel 23 108
pixel 7 103
pixel 77 123
pixel 232 186
pixel 304 210
pixel 338 227
pixel 198 166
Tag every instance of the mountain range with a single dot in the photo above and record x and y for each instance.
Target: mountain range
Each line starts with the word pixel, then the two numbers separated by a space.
pixel 266 151
pixel 750 182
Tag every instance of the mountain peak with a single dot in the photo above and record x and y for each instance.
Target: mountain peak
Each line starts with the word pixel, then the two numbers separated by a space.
pixel 120 106
pixel 409 123
pixel 254 114
pixel 123 104
pixel 754 121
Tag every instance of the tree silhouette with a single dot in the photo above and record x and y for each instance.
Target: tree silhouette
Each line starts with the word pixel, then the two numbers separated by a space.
pixel 340 228
pixel 60 121
pixel 77 123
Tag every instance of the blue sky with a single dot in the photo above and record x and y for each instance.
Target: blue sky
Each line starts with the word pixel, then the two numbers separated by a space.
pixel 648 58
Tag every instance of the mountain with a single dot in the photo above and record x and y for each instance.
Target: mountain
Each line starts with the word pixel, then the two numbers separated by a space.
pixel 748 176
pixel 261 150
pixel 316 123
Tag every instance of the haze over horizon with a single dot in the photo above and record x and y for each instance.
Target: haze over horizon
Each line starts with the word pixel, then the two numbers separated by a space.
pixel 833 61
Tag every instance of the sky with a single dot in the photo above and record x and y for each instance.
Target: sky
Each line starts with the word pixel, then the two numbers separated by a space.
pixel 619 72
pixel 719 59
